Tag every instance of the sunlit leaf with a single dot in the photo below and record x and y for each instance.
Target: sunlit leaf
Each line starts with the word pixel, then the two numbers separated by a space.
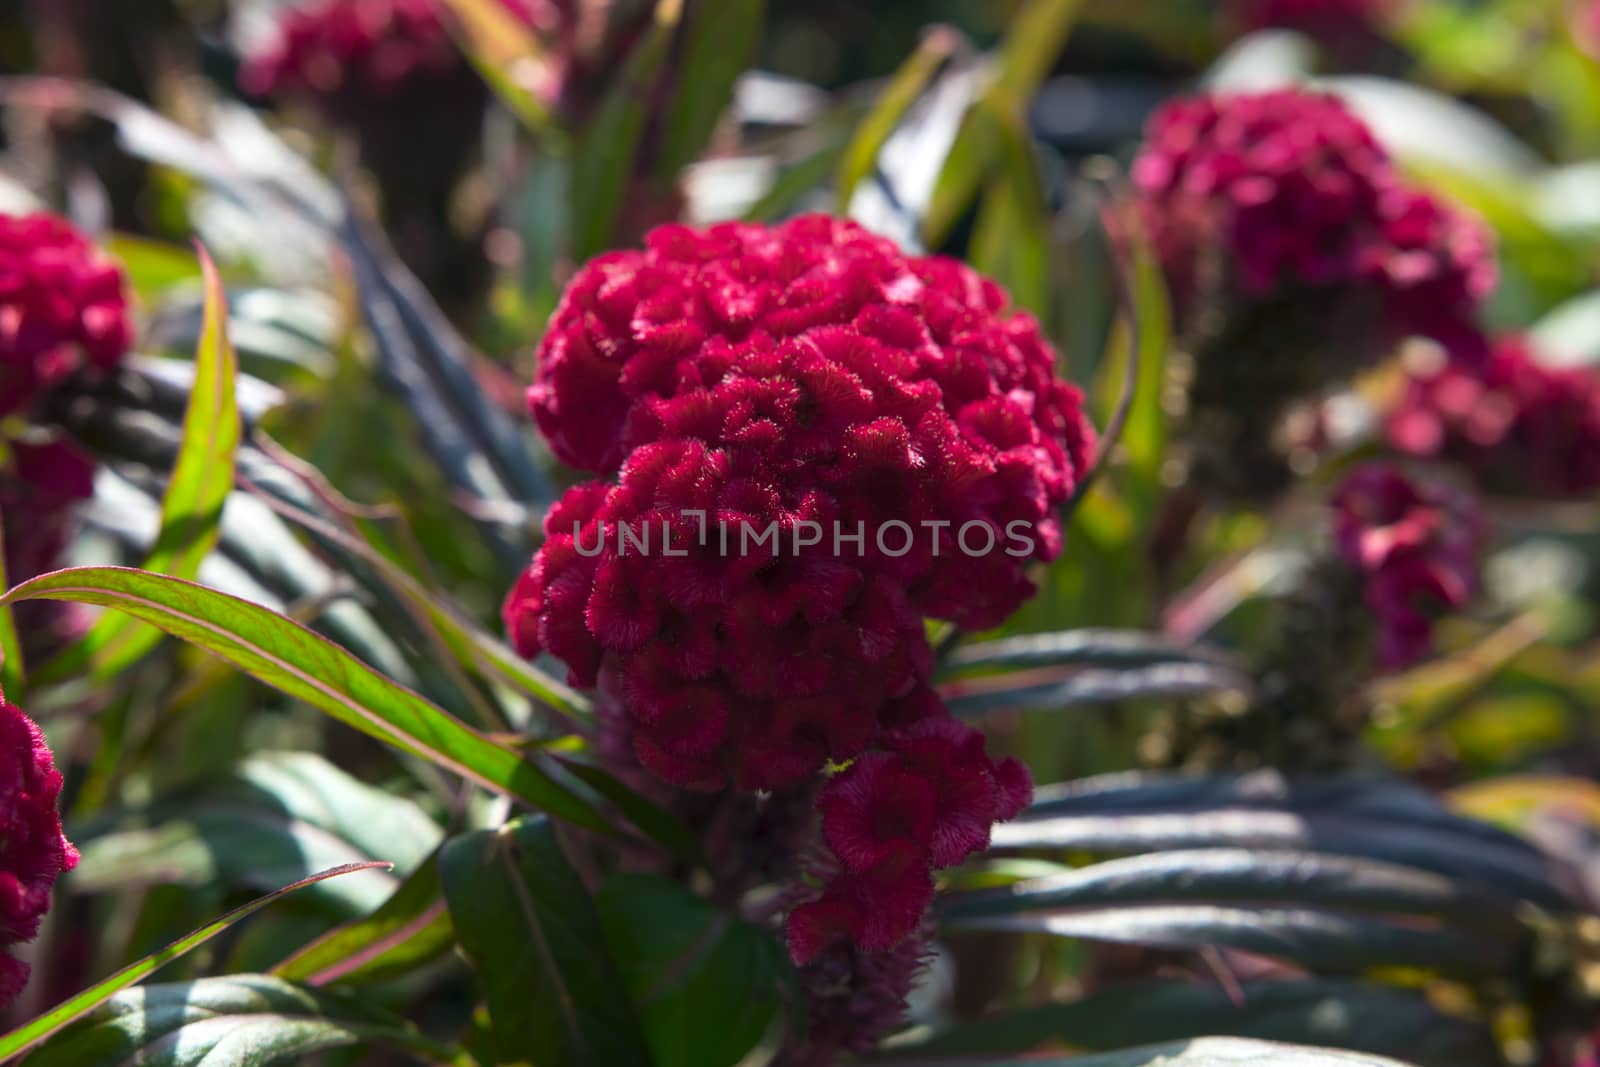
pixel 292 658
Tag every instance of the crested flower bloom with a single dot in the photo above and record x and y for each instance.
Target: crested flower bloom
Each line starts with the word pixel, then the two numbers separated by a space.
pixel 927 800
pixel 1415 549
pixel 64 311
pixel 1518 425
pixel 807 442
pixel 1294 189
pixel 348 54
pixel 354 58
pixel 1297 256
pixel 63 308
pixel 35 851
pixel 812 441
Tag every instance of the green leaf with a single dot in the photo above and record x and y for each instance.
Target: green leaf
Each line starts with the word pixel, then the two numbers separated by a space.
pixel 1320 940
pixel 1085 647
pixel 1260 877
pixel 1160 681
pixel 529 926
pixel 11 665
pixel 604 163
pixel 718 46
pixel 191 510
pixel 36 1030
pixel 471 646
pixel 153 267
pixel 288 656
pixel 1201 1052
pixel 1032 42
pixel 509 56
pixel 936 47
pixel 279 817
pixel 1375 818
pixel 659 824
pixel 706 985
pixel 1344 1013
pixel 1011 237
pixel 1142 440
pixel 243 1020
pixel 410 929
pixel 1034 39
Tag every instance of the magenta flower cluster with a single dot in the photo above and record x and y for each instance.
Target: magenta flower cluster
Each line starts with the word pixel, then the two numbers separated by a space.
pixel 1415 548
pixel 747 378
pixel 1289 191
pixel 1520 426
pixel 351 56
pixel 63 308
pixel 344 53
pixel 33 850
pixel 64 311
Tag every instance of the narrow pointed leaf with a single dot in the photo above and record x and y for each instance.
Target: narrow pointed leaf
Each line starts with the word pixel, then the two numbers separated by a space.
pixel 36 1030
pixel 410 929
pixel 1202 1052
pixel 1343 1013
pixel 861 157
pixel 307 666
pixel 1263 877
pixel 244 1020
pixel 191 509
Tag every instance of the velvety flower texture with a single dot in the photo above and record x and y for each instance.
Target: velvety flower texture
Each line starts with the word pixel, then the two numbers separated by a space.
pixel 807 378
pixel 1519 426
pixel 63 308
pixel 1415 548
pixel 33 850
pixel 345 54
pixel 1293 191
pixel 351 56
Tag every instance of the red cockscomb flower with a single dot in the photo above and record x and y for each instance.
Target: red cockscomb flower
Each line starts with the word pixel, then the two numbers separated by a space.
pixel 751 393
pixel 63 308
pixel 1517 425
pixel 33 850
pixel 808 443
pixel 928 800
pixel 1415 548
pixel 1294 192
pixel 346 54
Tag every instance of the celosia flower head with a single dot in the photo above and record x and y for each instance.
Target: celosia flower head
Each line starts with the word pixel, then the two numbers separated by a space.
pixel 1518 425
pixel 63 308
pixel 354 57
pixel 745 379
pixel 346 54
pixel 1258 195
pixel 1415 550
pixel 33 850
pixel 799 383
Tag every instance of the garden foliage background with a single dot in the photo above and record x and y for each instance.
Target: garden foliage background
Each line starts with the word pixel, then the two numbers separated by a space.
pixel 277 664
